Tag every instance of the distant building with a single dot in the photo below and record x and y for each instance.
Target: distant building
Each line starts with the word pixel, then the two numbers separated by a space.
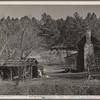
pixel 71 62
pixel 70 59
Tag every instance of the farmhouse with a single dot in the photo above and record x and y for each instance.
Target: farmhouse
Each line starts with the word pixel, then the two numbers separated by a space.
pixel 24 68
pixel 88 52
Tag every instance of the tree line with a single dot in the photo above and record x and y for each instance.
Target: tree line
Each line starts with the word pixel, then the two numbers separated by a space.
pixel 21 36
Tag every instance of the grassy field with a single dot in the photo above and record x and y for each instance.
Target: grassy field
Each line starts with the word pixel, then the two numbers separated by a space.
pixel 56 84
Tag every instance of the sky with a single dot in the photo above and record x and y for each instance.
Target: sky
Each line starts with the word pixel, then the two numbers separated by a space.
pixel 56 11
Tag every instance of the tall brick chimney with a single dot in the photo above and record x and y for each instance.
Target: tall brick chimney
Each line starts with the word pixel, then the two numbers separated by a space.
pixel 88 36
pixel 88 52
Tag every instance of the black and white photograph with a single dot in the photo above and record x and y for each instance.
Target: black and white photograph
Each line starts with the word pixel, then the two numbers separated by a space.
pixel 50 49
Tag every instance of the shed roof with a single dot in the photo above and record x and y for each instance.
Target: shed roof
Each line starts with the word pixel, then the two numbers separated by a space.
pixel 16 62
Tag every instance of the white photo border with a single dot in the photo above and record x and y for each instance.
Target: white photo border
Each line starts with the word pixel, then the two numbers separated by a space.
pixel 49 2
pixel 95 97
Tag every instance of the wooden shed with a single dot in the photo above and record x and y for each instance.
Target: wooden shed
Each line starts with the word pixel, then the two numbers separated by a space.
pixel 24 68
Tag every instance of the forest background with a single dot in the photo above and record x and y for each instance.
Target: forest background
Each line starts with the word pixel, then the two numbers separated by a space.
pixel 19 37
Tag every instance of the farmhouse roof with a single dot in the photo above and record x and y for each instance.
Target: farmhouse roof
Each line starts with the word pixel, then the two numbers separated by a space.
pixel 71 55
pixel 16 62
pixel 61 47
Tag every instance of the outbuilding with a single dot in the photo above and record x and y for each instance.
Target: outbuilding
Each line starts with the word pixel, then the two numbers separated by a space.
pixel 24 68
